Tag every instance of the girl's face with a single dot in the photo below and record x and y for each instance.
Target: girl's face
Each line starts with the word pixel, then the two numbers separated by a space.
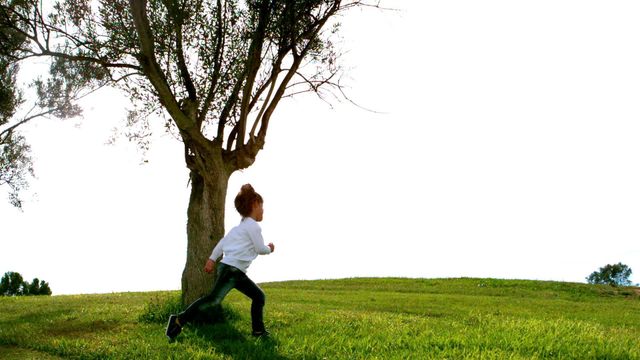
pixel 257 211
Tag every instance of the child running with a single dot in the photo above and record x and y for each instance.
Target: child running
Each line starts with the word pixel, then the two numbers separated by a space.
pixel 240 247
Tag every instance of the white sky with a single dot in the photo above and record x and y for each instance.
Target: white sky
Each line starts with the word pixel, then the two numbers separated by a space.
pixel 507 147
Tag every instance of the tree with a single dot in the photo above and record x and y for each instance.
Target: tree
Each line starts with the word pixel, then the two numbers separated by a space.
pixel 37 287
pixel 33 288
pixel 15 163
pixel 44 288
pixel 12 284
pixel 614 275
pixel 214 70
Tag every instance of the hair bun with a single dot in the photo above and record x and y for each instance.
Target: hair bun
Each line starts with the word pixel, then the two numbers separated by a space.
pixel 247 189
pixel 246 199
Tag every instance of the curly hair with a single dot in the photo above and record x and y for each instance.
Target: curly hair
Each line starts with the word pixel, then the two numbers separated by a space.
pixel 245 199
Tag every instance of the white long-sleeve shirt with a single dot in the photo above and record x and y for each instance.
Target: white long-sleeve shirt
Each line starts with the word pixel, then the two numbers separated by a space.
pixel 241 245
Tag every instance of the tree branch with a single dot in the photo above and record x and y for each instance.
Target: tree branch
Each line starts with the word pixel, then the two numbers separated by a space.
pixel 155 75
pixel 276 69
pixel 182 64
pixel 27 119
pixel 53 110
pixel 315 85
pixel 231 138
pixel 253 65
pixel 312 34
pixel 65 56
pixel 222 121
pixel 272 81
pixel 217 66
pixel 45 49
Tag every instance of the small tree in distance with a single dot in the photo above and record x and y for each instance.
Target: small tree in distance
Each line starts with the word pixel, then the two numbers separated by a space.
pixel 614 275
pixel 12 284
pixel 38 287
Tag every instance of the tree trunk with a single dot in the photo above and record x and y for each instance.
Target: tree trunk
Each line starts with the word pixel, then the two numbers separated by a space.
pixel 205 227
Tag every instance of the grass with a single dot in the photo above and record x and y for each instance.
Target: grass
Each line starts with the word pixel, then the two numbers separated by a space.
pixel 341 319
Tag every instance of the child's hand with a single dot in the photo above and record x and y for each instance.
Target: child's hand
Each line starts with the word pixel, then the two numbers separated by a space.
pixel 271 246
pixel 208 267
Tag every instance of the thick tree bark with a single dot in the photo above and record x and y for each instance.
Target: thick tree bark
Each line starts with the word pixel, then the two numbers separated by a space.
pixel 205 227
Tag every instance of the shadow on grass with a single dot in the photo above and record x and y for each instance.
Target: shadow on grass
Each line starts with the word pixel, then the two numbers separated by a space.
pixel 81 328
pixel 14 352
pixel 226 339
pixel 62 323
pixel 41 315
pixel 217 330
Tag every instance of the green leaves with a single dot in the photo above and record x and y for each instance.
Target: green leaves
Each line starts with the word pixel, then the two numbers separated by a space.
pixel 15 165
pixel 614 275
pixel 12 284
pixel 10 96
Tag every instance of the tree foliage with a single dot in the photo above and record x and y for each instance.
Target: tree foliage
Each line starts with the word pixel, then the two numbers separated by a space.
pixel 15 162
pixel 12 284
pixel 214 70
pixel 614 275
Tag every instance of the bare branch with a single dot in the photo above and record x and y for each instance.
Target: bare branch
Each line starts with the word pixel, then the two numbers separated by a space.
pixel 311 33
pixel 105 64
pixel 366 4
pixel 252 66
pixel 232 136
pixel 276 69
pixel 231 102
pixel 182 65
pixel 356 104
pixel 50 111
pixel 27 119
pixel 315 88
pixel 155 75
pixel 271 82
pixel 315 85
pixel 217 65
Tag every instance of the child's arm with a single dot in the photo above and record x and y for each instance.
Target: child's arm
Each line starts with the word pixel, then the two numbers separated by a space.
pixel 255 233
pixel 215 255
pixel 217 251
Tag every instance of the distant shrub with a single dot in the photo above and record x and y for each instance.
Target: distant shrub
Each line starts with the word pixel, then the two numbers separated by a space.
pixel 38 287
pixel 12 284
pixel 614 275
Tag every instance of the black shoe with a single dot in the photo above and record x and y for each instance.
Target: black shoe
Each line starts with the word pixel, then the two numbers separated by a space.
pixel 261 334
pixel 173 329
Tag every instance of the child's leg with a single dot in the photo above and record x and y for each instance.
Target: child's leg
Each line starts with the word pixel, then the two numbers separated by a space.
pixel 253 291
pixel 224 283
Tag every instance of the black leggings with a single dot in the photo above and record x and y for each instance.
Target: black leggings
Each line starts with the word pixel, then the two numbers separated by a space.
pixel 228 277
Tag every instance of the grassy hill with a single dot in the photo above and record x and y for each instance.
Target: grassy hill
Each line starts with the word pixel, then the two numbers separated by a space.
pixel 341 319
